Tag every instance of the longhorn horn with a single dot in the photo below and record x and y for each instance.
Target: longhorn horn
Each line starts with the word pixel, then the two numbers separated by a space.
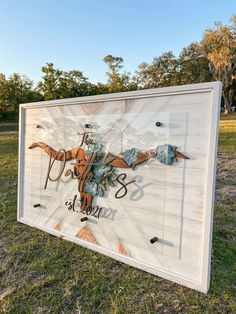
pixel 179 154
pixel 61 154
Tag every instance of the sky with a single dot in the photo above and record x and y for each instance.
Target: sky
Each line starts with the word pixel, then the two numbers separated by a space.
pixel 76 34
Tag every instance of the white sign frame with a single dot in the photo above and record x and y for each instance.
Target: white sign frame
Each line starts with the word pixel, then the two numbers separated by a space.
pixel 214 88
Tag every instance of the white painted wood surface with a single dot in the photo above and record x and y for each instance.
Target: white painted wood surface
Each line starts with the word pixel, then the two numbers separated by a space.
pixel 174 203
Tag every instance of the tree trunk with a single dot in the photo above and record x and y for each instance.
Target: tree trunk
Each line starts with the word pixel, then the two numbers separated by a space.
pixel 226 104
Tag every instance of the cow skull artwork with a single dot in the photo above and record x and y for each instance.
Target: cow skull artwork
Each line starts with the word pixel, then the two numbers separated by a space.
pixel 95 169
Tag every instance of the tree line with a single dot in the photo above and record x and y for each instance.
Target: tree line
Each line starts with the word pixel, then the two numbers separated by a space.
pixel 212 58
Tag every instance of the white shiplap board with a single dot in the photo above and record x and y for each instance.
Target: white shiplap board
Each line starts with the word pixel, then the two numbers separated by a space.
pixel 174 203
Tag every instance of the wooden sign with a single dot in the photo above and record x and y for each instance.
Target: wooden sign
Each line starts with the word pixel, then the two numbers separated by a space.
pixel 130 175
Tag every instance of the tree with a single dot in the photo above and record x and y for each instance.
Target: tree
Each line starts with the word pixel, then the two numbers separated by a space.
pixel 219 45
pixel 194 65
pixel 101 88
pixel 118 82
pixel 49 86
pixel 4 104
pixel 74 84
pixel 15 90
pixel 57 84
pixel 163 71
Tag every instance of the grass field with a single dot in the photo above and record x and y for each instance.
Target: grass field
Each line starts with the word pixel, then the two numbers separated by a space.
pixel 40 273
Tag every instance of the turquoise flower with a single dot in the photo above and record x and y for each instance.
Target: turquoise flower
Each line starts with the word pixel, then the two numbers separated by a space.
pixel 91 188
pixel 100 191
pixel 130 155
pixel 100 172
pixel 89 149
pixel 165 154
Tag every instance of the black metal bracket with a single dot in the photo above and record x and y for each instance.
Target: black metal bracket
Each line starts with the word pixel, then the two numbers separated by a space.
pixel 88 126
pixel 84 219
pixel 153 240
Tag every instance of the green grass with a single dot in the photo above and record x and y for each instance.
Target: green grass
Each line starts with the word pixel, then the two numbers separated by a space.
pixel 44 274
